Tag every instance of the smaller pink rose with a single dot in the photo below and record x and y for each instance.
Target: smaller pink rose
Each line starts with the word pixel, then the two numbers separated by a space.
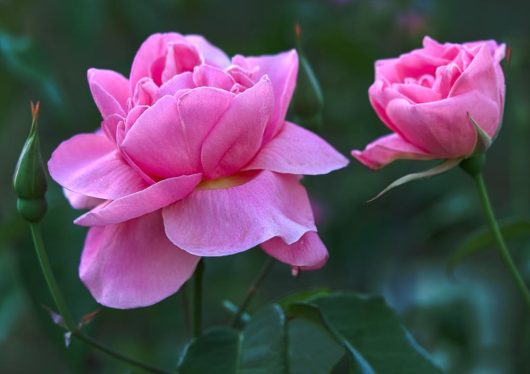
pixel 428 97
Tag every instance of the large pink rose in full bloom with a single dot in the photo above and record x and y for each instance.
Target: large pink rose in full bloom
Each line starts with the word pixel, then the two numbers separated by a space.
pixel 194 158
pixel 430 97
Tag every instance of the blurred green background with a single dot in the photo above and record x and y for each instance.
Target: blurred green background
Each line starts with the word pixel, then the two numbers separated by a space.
pixel 397 246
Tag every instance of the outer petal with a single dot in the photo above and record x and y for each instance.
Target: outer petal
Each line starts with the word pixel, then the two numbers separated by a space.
pixel 282 70
pixel 142 202
pixel 219 222
pixel 442 127
pixel 308 253
pixel 165 140
pixel 78 201
pixel 110 91
pixel 133 264
pixel 237 137
pixel 387 149
pixel 89 164
pixel 380 94
pixel 482 76
pixel 296 150
pixel 212 55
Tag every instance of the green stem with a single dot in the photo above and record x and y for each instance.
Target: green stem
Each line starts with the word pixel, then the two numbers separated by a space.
pixel 118 356
pixel 60 303
pixel 197 299
pixel 252 290
pixel 50 278
pixel 184 298
pixel 497 234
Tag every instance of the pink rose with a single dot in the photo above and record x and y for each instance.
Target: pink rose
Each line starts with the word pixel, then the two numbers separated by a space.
pixel 428 97
pixel 194 158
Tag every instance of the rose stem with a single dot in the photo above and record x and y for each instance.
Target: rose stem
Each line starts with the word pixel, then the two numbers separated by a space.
pixel 184 298
pixel 47 271
pixel 473 166
pixel 251 292
pixel 197 299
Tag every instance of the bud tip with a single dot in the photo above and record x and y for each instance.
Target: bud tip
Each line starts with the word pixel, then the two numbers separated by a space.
pixel 35 107
pixel 297 30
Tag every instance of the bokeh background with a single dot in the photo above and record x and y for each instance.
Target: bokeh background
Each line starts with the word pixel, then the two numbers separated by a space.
pixel 398 246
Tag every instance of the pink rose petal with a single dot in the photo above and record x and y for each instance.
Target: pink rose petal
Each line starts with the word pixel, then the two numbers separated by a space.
pixel 110 91
pixel 133 264
pixel 296 150
pixel 237 137
pixel 282 70
pixel 387 149
pixel 142 202
pixel 308 253
pixel 152 49
pixel 211 54
pixel 89 164
pixel 79 201
pixel 219 222
pixel 165 140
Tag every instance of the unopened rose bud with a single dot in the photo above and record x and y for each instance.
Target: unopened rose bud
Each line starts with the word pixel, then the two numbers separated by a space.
pixel 29 181
pixel 308 101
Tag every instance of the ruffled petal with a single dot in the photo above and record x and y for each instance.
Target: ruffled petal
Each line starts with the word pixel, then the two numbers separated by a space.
pixel 308 253
pixel 387 149
pixel 133 264
pixel 110 91
pixel 211 76
pixel 156 144
pixel 237 137
pixel 178 82
pixel 282 70
pixel 166 139
pixel 89 164
pixel 219 222
pixel 142 202
pixel 211 54
pixel 152 50
pixel 296 150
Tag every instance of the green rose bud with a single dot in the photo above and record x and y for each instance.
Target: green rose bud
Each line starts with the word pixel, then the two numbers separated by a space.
pixel 308 101
pixel 29 181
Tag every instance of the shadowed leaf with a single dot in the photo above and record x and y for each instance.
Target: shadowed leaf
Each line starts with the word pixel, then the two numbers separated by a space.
pixel 482 240
pixel 370 331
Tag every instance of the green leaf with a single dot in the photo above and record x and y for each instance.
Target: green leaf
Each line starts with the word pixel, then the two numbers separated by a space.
pixel 264 344
pixel 370 331
pixel 302 297
pixel 482 240
pixel 327 327
pixel 311 349
pixel 217 351
pixel 260 348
